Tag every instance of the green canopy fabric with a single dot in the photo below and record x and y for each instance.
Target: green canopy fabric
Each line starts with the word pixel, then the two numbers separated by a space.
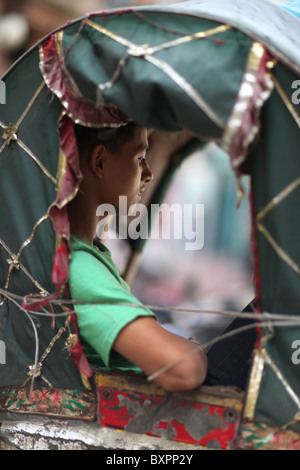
pixel 222 71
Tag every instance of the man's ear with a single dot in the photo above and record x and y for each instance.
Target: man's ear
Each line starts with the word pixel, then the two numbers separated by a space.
pixel 97 158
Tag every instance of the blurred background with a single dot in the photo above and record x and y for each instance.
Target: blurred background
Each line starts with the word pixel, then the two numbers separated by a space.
pixel 191 285
pixel 217 277
pixel 24 22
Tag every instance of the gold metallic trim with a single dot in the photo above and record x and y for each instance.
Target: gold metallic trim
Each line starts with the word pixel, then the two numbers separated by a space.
pixel 254 384
pixel 120 382
pixel 58 37
pixel 144 51
pixel 191 37
pixel 273 203
pixel 61 172
pixel 10 133
pixel 18 265
pixel 41 63
pixel 262 358
pixel 14 260
pixel 286 101
pixel 68 77
pixel 187 88
pixel 37 161
pixel 71 341
pixel 30 238
pixel 32 100
pixel 283 380
pixel 109 34
pixel 12 129
pixel 58 46
pixel 280 252
pixel 61 169
pixel 73 87
pixel 36 369
pixel 67 199
pixel 104 86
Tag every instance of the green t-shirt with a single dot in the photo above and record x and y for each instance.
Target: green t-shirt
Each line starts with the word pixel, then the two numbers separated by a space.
pixel 94 279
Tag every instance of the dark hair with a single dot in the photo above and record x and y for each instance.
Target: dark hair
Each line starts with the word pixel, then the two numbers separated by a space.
pixel 113 138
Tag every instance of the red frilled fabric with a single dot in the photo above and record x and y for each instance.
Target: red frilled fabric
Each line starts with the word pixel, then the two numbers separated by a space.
pixel 75 109
pixel 248 120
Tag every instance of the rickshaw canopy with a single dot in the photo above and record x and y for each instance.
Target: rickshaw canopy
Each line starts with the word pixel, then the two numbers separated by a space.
pixel 224 72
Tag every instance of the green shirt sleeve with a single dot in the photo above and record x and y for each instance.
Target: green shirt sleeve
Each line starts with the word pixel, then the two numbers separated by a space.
pixel 109 305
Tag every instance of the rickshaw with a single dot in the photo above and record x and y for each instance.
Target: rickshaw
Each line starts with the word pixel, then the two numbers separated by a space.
pixel 193 72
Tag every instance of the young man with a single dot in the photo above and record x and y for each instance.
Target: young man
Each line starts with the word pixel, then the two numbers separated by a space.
pixel 117 330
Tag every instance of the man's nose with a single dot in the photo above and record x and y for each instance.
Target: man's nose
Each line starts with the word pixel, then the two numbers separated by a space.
pixel 147 174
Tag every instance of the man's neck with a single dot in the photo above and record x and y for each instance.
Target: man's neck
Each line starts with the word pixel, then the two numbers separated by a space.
pixel 82 220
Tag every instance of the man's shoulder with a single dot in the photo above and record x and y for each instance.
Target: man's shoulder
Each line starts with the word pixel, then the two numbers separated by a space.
pixel 97 249
pixel 95 260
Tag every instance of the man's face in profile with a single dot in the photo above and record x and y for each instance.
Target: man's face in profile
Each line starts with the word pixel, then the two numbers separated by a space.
pixel 127 171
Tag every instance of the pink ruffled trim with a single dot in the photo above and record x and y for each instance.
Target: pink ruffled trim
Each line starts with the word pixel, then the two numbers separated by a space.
pixel 76 109
pixel 76 106
pixel 249 120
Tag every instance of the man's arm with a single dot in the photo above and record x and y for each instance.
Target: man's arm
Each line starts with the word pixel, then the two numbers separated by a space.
pixel 151 347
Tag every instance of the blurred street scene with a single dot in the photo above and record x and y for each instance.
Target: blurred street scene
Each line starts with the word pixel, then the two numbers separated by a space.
pixel 24 22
